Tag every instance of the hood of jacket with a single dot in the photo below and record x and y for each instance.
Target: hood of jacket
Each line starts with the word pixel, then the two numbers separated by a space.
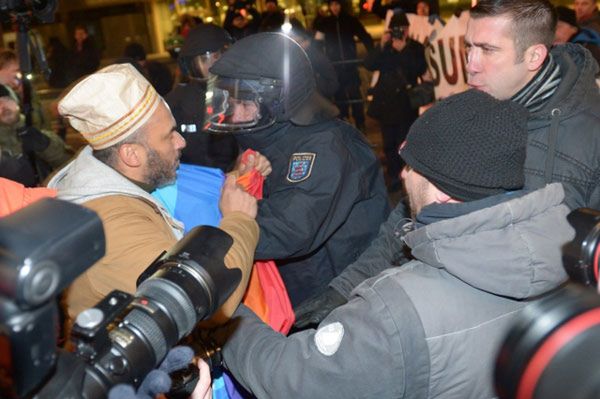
pixel 577 87
pixel 512 249
pixel 86 178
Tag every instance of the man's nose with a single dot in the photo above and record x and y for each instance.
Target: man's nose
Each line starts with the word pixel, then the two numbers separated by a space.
pixel 473 61
pixel 179 141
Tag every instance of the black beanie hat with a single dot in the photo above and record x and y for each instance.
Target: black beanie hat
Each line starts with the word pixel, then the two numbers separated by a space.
pixel 470 145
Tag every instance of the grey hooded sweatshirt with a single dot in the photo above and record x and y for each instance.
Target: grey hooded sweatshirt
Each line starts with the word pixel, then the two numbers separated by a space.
pixel 86 178
pixel 427 329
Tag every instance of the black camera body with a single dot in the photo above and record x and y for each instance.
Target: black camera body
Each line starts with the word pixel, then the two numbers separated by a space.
pixel 120 339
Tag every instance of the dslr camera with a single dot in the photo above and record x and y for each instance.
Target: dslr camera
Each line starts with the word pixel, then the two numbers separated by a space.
pixel 43 248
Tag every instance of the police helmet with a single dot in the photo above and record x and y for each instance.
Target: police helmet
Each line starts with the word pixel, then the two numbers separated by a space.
pixel 263 79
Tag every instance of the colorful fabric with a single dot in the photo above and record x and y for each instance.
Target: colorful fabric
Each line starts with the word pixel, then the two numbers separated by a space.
pixel 193 199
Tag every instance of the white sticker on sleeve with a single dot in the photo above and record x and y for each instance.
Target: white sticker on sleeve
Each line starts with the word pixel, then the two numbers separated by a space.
pixel 328 338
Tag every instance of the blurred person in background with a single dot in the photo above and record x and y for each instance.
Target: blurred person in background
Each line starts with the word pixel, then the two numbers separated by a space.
pixel 587 14
pixel 203 46
pixel 85 57
pixel 157 73
pixel 337 32
pixel 401 62
pixel 569 31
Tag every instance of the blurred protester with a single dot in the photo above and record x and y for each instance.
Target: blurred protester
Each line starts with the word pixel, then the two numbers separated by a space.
pixel 28 154
pixel 157 73
pixel 10 77
pixel 401 62
pixel 133 149
pixel 10 73
pixel 242 19
pixel 272 18
pixel 587 14
pixel 324 72
pixel 203 46
pixel 423 9
pixel 431 328
pixel 326 182
pixel 338 32
pixel 187 23
pixel 58 61
pixel 567 30
pixel 85 57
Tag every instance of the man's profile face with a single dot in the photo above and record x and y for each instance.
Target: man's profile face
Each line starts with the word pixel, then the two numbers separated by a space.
pixel 417 190
pixel 10 75
pixel 493 64
pixel 584 8
pixel 163 148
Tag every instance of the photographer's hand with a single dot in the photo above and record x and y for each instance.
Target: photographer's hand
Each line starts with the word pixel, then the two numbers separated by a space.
pixel 203 389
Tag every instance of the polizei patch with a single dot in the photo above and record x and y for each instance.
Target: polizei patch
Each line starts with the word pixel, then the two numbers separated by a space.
pixel 301 164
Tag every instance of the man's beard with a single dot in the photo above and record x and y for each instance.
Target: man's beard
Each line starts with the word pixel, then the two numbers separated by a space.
pixel 160 172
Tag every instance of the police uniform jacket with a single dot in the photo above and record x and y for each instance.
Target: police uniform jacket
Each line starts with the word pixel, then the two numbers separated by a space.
pixel 323 202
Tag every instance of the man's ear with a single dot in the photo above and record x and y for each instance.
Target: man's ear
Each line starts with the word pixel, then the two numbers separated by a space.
pixel 132 154
pixel 441 197
pixel 535 56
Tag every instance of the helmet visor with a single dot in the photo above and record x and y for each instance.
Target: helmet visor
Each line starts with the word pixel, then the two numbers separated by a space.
pixel 235 105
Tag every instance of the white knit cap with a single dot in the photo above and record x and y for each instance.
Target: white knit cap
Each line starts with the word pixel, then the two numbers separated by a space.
pixel 109 105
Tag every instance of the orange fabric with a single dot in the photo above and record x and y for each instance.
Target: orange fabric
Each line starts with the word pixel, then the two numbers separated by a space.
pixel 14 196
pixel 266 294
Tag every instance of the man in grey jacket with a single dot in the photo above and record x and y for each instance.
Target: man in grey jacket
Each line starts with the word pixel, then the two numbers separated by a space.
pixel 483 252
pixel 556 85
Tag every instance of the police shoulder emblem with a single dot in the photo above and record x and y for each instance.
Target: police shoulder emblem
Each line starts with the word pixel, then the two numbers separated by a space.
pixel 301 164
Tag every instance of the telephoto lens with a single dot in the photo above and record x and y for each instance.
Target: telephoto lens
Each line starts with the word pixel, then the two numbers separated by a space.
pixel 123 339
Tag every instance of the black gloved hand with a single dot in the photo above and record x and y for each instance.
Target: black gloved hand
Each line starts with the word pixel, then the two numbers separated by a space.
pixel 312 311
pixel 33 140
pixel 158 380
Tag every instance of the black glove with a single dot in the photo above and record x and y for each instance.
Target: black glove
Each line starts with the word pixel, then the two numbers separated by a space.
pixel 33 140
pixel 312 311
pixel 158 380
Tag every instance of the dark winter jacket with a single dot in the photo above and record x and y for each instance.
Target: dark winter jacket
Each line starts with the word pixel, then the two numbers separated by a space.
pixel 340 47
pixel 398 70
pixel 429 329
pixel 84 61
pixel 564 136
pixel 322 203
